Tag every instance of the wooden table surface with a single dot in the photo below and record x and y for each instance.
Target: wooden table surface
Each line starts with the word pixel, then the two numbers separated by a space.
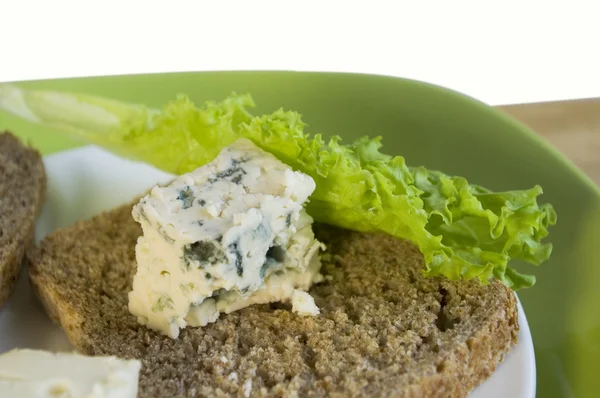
pixel 571 126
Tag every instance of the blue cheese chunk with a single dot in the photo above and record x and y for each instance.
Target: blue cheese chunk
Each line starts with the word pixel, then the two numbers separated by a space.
pixel 304 304
pixel 225 236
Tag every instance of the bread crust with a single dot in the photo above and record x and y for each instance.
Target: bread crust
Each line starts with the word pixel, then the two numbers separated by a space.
pixel 23 187
pixel 384 330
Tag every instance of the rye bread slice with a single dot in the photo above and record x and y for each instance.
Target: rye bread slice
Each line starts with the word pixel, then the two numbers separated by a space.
pixel 22 190
pixel 384 329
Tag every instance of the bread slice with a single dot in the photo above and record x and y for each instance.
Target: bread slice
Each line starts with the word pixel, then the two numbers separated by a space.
pixel 384 329
pixel 22 190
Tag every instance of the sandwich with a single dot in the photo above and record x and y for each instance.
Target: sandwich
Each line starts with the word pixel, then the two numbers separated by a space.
pixel 276 263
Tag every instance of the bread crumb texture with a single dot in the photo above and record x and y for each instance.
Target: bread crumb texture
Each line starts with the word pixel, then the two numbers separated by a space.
pixel 22 188
pixel 384 330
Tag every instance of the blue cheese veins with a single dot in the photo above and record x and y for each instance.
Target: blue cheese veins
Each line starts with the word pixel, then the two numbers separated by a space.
pixel 228 235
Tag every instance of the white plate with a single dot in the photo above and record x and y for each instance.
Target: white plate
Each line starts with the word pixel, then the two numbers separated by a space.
pixel 86 181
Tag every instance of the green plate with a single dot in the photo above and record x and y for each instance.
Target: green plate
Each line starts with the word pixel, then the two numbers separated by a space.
pixel 440 129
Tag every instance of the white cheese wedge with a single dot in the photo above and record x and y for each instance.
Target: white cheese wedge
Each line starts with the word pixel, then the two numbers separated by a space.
pixel 42 374
pixel 225 236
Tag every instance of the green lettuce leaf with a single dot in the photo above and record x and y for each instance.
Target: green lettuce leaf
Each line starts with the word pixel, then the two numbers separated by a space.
pixel 464 231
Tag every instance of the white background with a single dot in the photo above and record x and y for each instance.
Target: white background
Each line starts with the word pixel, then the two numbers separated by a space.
pixel 498 51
